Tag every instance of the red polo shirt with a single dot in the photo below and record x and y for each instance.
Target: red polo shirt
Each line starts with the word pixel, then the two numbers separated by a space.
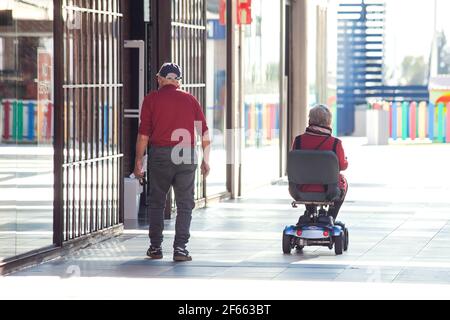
pixel 165 112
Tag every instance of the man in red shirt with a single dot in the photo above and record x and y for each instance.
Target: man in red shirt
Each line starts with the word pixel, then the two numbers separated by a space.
pixel 170 120
pixel 318 136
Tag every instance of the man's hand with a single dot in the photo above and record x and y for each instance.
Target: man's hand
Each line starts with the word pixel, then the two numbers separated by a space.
pixel 205 169
pixel 141 146
pixel 138 169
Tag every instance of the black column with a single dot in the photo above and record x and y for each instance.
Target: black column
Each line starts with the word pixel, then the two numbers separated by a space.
pixel 58 143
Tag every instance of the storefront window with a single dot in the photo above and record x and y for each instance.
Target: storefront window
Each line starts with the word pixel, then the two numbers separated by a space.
pixel 216 93
pixel 261 110
pixel 26 126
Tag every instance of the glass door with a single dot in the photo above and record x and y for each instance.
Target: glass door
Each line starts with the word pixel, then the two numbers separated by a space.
pixel 26 129
pixel 262 96
pixel 216 67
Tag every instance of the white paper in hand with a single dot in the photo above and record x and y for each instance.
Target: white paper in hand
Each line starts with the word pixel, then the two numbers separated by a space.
pixel 144 167
pixel 144 163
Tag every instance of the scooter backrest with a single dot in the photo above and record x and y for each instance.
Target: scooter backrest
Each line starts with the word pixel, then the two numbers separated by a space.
pixel 313 167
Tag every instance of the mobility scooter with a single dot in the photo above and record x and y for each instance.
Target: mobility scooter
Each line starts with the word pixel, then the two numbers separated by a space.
pixel 316 227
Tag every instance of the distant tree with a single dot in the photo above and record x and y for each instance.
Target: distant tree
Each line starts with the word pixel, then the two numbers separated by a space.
pixel 213 6
pixel 443 54
pixel 272 72
pixel 389 75
pixel 414 71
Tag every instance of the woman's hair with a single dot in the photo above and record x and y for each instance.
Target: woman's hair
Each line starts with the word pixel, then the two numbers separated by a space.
pixel 320 115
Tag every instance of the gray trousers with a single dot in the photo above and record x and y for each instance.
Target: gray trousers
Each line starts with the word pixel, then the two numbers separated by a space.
pixel 164 173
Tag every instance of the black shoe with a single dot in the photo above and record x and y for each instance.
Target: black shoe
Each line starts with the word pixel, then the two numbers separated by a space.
pixel 155 253
pixel 181 255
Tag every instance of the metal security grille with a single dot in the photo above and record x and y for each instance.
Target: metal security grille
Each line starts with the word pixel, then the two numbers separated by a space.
pixel 189 34
pixel 92 108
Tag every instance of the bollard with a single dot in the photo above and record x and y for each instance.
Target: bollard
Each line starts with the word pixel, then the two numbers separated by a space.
pixel 6 120
pixel 422 127
pixel 31 108
pixel 272 122
pixel 399 120
pixel 447 135
pixel 405 107
pixel 15 120
pixel 13 133
pixel 394 109
pixel 20 121
pixel 247 116
pixel 49 122
pixel 390 109
pixel 277 117
pixel 431 111
pixel 377 123
pixel 259 123
pixel 264 116
pixel 40 121
pixel 266 121
pixel 251 122
pixel 413 121
pixel 441 120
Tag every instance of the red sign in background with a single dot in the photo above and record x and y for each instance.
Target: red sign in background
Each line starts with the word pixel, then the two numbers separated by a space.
pixel 244 12
pixel 223 12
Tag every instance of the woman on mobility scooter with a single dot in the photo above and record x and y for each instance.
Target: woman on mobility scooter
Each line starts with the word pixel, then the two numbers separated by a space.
pixel 317 157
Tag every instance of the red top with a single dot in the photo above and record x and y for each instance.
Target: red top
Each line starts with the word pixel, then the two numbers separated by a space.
pixel 311 141
pixel 170 116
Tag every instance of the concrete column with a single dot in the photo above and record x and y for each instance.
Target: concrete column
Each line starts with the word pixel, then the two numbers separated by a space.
pixel 321 54
pixel 234 86
pixel 284 88
pixel 300 90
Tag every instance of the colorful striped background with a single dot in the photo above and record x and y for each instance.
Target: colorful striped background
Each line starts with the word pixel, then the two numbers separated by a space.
pixel 262 123
pixel 417 120
pixel 26 121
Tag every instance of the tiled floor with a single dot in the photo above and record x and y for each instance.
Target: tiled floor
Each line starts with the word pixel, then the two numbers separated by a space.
pixel 398 213
pixel 26 199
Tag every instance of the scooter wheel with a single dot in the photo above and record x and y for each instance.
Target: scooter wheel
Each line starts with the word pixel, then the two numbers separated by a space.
pixel 339 245
pixel 347 240
pixel 287 243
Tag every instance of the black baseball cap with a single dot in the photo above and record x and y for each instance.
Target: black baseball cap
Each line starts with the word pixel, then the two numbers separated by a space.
pixel 170 71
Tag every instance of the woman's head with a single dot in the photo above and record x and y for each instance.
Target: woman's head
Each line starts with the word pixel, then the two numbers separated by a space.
pixel 321 116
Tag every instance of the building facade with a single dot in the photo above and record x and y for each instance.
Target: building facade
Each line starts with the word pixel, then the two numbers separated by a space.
pixel 72 77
